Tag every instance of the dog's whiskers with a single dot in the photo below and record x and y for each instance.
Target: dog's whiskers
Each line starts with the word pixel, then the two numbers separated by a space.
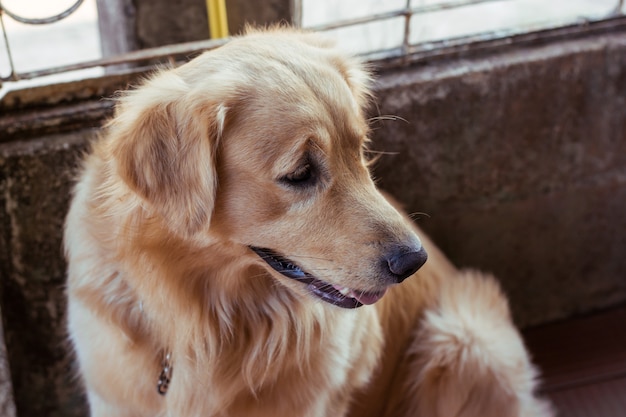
pixel 417 215
pixel 316 258
pixel 387 117
pixel 379 153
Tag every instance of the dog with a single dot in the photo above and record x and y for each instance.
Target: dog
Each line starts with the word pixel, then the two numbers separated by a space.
pixel 229 255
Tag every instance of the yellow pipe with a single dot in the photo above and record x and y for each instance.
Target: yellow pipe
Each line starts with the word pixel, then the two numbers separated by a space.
pixel 218 23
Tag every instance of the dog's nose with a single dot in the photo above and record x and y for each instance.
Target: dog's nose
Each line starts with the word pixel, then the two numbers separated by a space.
pixel 405 262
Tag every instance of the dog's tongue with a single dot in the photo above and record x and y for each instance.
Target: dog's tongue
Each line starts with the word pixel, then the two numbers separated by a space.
pixel 368 297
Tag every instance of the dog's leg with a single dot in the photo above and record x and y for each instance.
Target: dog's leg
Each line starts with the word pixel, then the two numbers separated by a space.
pixel 100 408
pixel 468 357
pixel 119 375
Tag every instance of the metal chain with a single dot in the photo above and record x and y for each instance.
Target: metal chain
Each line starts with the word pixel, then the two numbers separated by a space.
pixel 43 20
pixel 163 383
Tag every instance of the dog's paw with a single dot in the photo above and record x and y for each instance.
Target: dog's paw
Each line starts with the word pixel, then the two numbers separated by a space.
pixel 469 357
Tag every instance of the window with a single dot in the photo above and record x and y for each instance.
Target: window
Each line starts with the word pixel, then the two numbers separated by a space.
pixel 380 26
pixel 393 28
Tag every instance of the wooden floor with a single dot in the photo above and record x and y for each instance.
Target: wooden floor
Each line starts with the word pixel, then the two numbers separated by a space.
pixel 583 362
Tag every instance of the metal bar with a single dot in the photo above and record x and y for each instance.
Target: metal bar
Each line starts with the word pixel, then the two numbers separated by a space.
pixel 449 5
pixel 296 14
pixel 218 23
pixel 406 40
pixel 493 40
pixel 12 76
pixel 162 52
pixel 360 20
pixel 402 12
pixel 45 20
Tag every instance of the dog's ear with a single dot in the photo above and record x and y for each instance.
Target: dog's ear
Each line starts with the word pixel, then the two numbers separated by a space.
pixel 165 147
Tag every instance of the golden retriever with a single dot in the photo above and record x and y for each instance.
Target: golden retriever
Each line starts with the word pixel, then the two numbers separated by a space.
pixel 230 255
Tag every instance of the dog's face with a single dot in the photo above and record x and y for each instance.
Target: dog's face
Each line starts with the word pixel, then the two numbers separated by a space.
pixel 262 144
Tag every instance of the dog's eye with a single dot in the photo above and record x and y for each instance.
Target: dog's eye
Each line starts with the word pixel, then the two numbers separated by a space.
pixel 302 176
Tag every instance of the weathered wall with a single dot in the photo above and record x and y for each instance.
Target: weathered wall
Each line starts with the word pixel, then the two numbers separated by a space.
pixel 260 13
pixel 518 159
pixel 35 179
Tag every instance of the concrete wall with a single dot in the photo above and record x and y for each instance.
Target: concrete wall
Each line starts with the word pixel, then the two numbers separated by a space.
pixel 519 162
pixel 518 159
pixel 35 177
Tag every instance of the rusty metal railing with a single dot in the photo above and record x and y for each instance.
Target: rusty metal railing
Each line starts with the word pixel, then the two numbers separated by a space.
pixel 41 21
pixel 407 51
pixel 14 76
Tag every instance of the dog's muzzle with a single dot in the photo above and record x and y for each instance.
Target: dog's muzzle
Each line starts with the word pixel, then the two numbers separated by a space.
pixel 398 265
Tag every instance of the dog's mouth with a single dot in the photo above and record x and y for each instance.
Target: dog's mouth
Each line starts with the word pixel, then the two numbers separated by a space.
pixel 331 293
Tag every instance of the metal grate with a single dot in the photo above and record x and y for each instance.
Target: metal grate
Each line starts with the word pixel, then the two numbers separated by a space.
pixel 409 49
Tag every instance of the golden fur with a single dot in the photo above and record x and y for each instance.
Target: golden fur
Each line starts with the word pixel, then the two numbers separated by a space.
pixel 261 143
